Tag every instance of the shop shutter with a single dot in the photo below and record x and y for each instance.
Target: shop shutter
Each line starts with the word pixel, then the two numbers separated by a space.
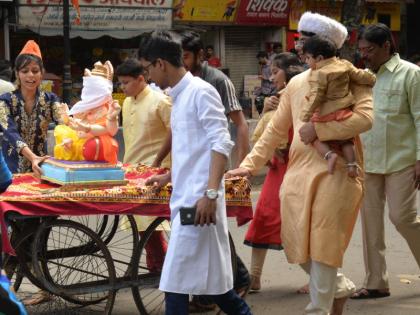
pixel 241 47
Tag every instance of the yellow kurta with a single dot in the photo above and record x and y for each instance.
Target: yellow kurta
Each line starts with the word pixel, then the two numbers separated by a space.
pixel 146 122
pixel 319 210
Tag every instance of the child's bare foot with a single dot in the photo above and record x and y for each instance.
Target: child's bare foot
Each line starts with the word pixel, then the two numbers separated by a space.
pixel 331 158
pixel 352 170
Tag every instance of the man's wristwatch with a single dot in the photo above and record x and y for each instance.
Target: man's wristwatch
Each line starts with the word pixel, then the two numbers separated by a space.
pixel 212 194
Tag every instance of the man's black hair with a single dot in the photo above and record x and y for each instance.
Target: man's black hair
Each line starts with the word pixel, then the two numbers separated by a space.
pixel 191 41
pixel 161 44
pixel 378 34
pixel 319 46
pixel 209 47
pixel 131 68
pixel 262 54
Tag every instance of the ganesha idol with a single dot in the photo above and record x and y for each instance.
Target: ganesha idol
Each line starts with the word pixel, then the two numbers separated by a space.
pixel 85 150
pixel 88 135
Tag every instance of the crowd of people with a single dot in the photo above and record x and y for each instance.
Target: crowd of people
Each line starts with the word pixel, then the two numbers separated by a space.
pixel 335 138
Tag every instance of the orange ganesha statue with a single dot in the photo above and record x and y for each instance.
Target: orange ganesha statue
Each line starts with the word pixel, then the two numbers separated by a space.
pixel 91 123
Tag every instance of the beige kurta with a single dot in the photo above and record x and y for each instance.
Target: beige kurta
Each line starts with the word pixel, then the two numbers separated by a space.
pixel 319 210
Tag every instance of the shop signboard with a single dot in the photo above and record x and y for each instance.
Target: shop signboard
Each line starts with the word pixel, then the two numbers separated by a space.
pixel 386 11
pixel 297 8
pixel 263 12
pixel 222 11
pixel 118 18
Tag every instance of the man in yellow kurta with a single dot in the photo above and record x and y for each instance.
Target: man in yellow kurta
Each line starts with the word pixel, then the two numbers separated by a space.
pixel 146 121
pixel 319 210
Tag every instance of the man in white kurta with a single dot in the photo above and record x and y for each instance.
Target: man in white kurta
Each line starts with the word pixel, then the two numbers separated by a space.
pixel 198 127
pixel 198 257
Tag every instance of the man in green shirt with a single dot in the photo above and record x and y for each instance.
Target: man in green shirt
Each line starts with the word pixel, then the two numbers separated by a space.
pixel 392 156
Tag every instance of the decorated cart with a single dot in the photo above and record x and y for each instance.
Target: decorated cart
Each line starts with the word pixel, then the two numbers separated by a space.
pixel 74 246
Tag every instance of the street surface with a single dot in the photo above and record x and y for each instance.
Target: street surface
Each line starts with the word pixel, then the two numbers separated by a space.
pixel 281 280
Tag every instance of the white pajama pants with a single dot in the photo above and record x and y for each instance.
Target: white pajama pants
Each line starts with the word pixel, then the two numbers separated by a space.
pixel 325 285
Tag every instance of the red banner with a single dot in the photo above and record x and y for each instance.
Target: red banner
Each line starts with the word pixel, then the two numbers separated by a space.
pixel 263 12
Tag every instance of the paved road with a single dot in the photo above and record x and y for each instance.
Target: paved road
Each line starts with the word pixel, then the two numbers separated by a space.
pixel 281 280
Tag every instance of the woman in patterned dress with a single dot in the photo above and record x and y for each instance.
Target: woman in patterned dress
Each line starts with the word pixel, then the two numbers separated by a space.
pixel 24 118
pixel 26 113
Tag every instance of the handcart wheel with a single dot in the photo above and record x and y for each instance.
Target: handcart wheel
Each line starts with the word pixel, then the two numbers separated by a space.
pixel 18 267
pixel 147 296
pixel 120 235
pixel 74 264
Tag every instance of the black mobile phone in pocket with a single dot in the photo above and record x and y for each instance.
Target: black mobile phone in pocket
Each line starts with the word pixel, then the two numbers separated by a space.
pixel 187 215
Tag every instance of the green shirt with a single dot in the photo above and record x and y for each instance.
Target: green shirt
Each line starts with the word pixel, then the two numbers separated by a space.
pixel 393 143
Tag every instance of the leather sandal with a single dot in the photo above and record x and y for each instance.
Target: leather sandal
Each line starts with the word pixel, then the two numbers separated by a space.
pixel 364 294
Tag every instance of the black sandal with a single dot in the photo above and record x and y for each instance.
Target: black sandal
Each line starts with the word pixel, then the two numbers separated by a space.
pixel 364 294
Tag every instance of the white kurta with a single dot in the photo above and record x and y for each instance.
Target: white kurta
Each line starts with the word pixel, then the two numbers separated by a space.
pixel 198 258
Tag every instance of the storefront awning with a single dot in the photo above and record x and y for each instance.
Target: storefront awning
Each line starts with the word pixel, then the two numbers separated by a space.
pixel 116 18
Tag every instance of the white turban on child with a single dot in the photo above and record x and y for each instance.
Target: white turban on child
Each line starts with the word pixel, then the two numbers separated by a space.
pixel 323 26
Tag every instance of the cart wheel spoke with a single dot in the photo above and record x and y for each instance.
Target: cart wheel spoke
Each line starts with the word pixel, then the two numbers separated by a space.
pixel 74 264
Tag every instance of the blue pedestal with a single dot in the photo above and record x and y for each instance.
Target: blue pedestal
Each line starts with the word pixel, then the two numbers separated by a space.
pixel 82 173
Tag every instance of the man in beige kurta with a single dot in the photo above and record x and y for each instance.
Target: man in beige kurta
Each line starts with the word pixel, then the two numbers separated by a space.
pixel 319 209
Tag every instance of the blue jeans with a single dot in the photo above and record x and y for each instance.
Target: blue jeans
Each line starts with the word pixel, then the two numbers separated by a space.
pixel 230 303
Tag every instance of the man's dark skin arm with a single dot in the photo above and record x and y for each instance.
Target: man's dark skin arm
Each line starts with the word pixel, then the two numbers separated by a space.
pixel 206 208
pixel 242 141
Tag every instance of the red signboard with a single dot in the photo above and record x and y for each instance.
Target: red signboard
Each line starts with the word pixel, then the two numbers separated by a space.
pixel 263 12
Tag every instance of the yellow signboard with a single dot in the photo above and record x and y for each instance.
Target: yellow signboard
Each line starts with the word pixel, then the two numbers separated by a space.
pixel 383 12
pixel 205 10
pixel 297 8
pixel 388 13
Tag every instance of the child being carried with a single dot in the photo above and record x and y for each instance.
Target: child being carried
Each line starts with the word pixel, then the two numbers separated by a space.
pixel 330 97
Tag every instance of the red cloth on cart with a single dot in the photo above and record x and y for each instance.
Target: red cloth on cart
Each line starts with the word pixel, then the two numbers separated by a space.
pixel 29 197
